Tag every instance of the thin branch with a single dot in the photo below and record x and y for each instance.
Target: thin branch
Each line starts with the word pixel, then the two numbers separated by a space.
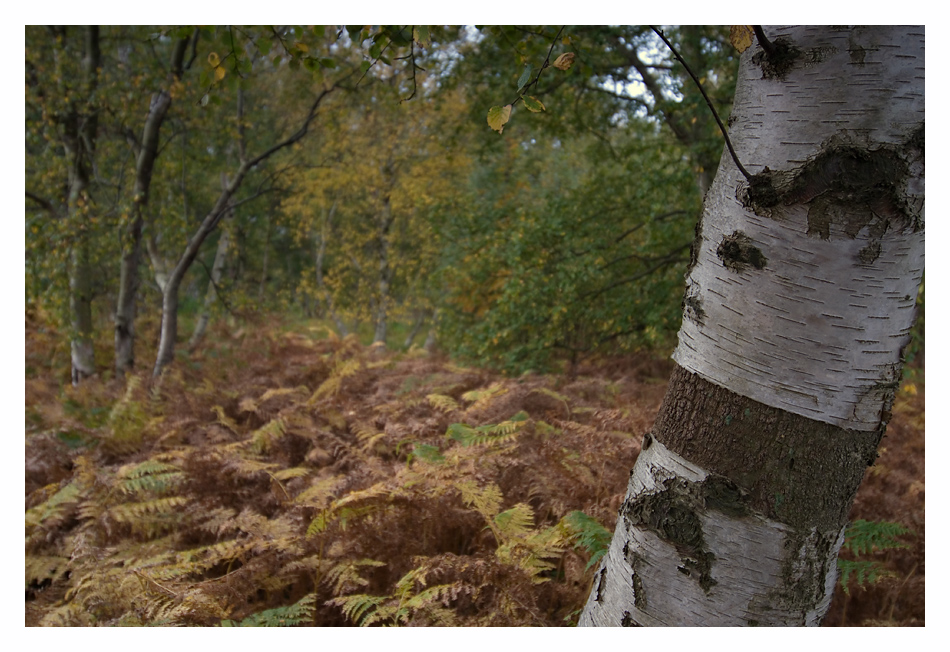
pixel 217 290
pixel 46 205
pixel 709 103
pixel 763 41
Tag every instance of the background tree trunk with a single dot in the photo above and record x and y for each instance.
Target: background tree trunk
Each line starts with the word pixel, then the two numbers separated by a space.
pixel 132 243
pixel 798 304
pixel 80 126
pixel 217 267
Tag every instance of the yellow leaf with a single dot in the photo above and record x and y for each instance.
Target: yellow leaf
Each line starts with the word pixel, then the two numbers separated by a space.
pixel 213 59
pixel 741 37
pixel 219 73
pixel 533 104
pixel 498 116
pixel 564 61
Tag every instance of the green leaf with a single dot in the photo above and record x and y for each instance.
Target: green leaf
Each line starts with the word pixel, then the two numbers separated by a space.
pixel 327 62
pixel 319 30
pixel 498 116
pixel 264 45
pixel 533 104
pixel 525 76
pixel 421 35
pixel 365 65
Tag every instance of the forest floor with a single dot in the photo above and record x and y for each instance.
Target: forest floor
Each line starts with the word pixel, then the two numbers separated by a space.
pixel 282 477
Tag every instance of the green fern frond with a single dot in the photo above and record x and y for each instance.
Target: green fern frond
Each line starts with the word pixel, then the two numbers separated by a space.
pixel 358 607
pixel 299 613
pixel 426 453
pixel 486 435
pixel 587 533
pixel 862 572
pixel 864 537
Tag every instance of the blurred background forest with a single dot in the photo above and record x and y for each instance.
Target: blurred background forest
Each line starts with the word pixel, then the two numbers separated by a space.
pixel 400 215
pixel 336 325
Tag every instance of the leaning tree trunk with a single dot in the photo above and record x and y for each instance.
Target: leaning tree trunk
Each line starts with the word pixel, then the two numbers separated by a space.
pixel 798 304
pixel 217 267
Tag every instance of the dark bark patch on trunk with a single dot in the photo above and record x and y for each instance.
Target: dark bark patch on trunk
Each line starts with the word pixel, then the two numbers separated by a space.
pixel 628 621
pixel 737 253
pixel 672 513
pixel 639 597
pixel 693 304
pixel 601 581
pixel 764 460
pixel 779 62
pixel 847 188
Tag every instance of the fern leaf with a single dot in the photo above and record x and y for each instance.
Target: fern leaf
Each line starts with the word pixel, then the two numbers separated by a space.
pixel 332 384
pixel 355 607
pixel 442 403
pixel 482 397
pixel 296 614
pixel 485 500
pixel 864 537
pixel 588 534
pixel 264 438
pixel 288 474
pixel 515 522
pixel 224 419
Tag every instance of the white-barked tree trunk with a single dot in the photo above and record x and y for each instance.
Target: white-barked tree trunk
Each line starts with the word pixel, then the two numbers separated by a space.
pixel 799 301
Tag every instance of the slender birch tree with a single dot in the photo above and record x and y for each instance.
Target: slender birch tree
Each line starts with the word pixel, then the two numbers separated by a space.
pixel 799 301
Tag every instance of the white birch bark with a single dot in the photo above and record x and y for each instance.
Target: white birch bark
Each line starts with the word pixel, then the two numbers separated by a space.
pixel 803 304
pixel 643 575
pixel 794 336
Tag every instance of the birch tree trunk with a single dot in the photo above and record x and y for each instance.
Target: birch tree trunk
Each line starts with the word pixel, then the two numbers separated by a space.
pixel 169 328
pixel 325 229
pixel 384 223
pixel 217 267
pixel 799 301
pixel 80 127
pixel 132 244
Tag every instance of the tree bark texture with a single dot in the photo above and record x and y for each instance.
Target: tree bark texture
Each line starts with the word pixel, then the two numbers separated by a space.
pixel 132 236
pixel 80 127
pixel 799 301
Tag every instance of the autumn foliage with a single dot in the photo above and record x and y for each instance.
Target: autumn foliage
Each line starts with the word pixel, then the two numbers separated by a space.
pixel 295 478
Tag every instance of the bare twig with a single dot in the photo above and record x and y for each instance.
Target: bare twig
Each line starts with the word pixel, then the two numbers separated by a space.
pixel 709 103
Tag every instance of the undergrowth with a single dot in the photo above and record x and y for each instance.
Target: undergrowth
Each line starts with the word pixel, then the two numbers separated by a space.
pixel 317 485
pixel 321 482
